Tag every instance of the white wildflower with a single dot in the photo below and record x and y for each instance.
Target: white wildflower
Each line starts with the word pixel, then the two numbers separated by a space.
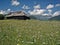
pixel 22 41
pixel 44 43
pixel 18 44
pixel 57 32
pixel 30 42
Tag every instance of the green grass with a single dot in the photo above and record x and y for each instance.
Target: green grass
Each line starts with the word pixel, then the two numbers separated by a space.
pixel 29 32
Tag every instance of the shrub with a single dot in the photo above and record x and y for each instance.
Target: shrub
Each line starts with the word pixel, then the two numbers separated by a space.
pixel 1 17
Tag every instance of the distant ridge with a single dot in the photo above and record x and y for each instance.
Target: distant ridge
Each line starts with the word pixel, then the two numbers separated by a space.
pixel 55 18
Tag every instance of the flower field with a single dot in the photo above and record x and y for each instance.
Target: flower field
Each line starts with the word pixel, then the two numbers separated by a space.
pixel 29 32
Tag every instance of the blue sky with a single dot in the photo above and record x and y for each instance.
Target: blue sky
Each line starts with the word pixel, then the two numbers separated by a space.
pixel 7 4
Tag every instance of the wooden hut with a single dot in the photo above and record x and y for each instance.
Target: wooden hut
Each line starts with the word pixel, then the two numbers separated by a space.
pixel 17 15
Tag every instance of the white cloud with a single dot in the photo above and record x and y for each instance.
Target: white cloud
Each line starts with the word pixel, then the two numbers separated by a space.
pixel 8 10
pixel 2 12
pixel 37 12
pixel 37 6
pixel 45 14
pixel 50 6
pixel 50 12
pixel 15 3
pixel 57 5
pixel 5 11
pixel 57 13
pixel 25 7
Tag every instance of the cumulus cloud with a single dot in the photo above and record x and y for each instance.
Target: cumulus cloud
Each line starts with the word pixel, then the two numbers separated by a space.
pixel 49 6
pixel 25 7
pixel 8 10
pixel 57 5
pixel 2 12
pixel 57 13
pixel 45 14
pixel 37 6
pixel 37 12
pixel 50 12
pixel 5 11
pixel 15 3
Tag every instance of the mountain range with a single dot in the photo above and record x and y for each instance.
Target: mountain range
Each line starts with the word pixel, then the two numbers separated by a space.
pixel 41 17
pixel 55 18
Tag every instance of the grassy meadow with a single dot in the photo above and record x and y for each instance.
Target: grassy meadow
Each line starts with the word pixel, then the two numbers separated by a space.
pixel 29 32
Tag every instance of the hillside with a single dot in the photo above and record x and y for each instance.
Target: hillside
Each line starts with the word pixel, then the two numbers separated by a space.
pixel 29 32
pixel 32 17
pixel 55 18
pixel 40 17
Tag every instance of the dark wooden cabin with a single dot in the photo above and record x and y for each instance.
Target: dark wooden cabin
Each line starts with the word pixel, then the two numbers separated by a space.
pixel 17 15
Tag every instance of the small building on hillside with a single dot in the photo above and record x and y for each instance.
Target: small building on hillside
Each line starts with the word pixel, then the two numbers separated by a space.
pixel 17 15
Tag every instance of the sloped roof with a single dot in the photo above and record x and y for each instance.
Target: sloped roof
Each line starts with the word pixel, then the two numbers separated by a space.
pixel 18 13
